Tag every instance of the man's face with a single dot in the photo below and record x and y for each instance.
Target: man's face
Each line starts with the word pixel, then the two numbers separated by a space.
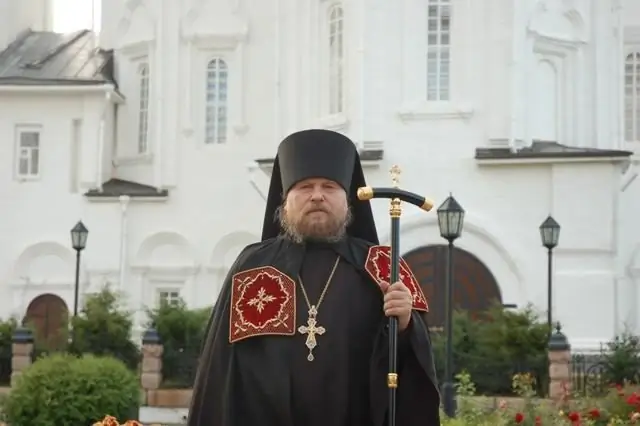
pixel 315 209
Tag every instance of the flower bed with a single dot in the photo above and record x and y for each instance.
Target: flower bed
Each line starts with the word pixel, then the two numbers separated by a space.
pixel 112 421
pixel 620 407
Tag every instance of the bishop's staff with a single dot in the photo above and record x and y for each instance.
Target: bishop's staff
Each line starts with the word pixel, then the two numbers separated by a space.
pixel 397 196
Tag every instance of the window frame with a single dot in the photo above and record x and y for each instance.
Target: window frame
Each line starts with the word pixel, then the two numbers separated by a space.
pixel 159 291
pixel 227 69
pixel 143 115
pixel 335 64
pixel 439 49
pixel 21 129
pixel 634 97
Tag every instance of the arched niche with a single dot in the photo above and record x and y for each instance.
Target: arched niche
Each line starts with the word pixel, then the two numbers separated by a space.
pixel 44 262
pixel 166 249
pixel 229 247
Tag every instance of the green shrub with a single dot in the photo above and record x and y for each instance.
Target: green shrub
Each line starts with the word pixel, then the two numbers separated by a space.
pixel 621 359
pixel 103 327
pixel 495 346
pixel 61 389
pixel 6 339
pixel 182 331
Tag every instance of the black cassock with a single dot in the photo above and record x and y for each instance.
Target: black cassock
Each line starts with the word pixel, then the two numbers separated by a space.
pixel 264 377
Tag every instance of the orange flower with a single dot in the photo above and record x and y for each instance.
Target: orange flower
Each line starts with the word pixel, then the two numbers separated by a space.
pixel 110 421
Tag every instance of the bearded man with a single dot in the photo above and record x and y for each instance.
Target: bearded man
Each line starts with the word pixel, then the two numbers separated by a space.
pixel 299 336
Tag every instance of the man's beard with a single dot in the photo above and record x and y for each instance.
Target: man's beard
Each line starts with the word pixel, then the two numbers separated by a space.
pixel 299 228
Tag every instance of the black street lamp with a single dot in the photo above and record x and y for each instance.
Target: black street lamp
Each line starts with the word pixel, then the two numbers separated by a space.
pixel 79 234
pixel 450 221
pixel 550 234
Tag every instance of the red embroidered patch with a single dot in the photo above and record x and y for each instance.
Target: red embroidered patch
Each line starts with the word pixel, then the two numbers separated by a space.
pixel 378 265
pixel 263 302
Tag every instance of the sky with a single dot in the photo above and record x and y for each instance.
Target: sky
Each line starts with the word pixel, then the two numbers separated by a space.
pixel 73 15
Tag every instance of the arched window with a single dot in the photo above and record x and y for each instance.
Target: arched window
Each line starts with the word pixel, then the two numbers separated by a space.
pixel 632 97
pixel 143 108
pixel 216 101
pixel 438 49
pixel 336 60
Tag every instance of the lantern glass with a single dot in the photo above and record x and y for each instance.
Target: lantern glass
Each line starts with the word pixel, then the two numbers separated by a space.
pixel 550 232
pixel 450 219
pixel 79 235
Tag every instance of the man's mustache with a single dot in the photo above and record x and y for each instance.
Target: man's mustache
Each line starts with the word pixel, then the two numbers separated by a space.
pixel 316 208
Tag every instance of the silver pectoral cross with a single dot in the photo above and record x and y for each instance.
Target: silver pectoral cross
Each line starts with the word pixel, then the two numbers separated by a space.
pixel 311 330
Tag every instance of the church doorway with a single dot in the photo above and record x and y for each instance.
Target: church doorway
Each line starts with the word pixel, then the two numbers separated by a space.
pixel 475 287
pixel 48 315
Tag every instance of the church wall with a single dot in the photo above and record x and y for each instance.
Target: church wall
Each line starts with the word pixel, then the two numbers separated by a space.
pixel 35 256
pixel 631 16
pixel 435 142
pixel 629 261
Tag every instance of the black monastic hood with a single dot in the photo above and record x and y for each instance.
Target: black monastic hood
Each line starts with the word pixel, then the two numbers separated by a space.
pixel 319 153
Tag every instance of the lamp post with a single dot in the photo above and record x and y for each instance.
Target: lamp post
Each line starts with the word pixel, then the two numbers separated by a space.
pixel 550 234
pixel 79 234
pixel 450 221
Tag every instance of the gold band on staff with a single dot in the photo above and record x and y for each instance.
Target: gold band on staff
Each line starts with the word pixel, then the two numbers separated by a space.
pixel 392 380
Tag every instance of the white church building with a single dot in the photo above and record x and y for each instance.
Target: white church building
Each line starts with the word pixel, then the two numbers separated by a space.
pixel 159 134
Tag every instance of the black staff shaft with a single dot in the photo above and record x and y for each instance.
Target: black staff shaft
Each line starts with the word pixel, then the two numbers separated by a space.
pixel 397 196
pixel 392 379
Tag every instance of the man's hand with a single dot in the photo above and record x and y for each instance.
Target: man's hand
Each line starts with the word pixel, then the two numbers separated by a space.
pixel 398 302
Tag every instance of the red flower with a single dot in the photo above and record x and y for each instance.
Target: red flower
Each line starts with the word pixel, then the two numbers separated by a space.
pixel 633 399
pixel 574 417
pixel 594 413
pixel 519 418
pixel 538 421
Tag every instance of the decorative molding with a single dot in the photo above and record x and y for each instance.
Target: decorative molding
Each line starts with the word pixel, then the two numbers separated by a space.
pixel 436 111
pixel 124 25
pixel 131 160
pixel 217 41
pixel 499 162
pixel 567 10
pixel 138 49
pixel 227 26
pixel 156 272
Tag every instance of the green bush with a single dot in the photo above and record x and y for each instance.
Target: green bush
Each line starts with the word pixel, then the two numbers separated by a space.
pixel 621 359
pixel 6 339
pixel 61 389
pixel 182 331
pixel 495 346
pixel 103 327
